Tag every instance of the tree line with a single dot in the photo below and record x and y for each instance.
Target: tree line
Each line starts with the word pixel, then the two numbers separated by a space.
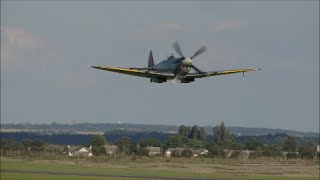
pixel 187 137
pixel 101 127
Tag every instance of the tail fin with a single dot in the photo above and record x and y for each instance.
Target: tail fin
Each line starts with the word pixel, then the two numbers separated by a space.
pixel 150 60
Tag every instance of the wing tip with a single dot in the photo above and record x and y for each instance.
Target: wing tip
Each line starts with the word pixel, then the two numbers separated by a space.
pixel 97 67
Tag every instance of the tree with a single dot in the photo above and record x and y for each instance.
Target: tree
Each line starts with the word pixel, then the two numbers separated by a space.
pixel 97 142
pixel 8 145
pixel 27 143
pixel 133 148
pixel 183 131
pixel 150 142
pixel 290 144
pixel 202 135
pixel 307 152
pixel 195 143
pixel 194 132
pixel 215 150
pixel 38 145
pixel 217 135
pixel 124 145
pixel 253 144
pixel 176 141
pixel 221 136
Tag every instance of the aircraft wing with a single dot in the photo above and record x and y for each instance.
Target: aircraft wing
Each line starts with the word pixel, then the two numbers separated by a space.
pixel 141 72
pixel 218 73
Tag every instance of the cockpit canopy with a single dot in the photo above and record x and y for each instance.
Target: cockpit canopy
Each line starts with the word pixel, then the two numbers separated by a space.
pixel 171 57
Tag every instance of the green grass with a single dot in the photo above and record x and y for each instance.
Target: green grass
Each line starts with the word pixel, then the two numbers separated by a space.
pixel 165 170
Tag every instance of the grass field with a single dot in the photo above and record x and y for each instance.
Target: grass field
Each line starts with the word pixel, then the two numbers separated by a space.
pixel 23 176
pixel 143 168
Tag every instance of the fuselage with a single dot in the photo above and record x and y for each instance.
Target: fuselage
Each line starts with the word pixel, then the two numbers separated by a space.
pixel 171 65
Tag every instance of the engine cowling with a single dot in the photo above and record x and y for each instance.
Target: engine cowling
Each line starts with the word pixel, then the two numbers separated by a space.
pixel 158 80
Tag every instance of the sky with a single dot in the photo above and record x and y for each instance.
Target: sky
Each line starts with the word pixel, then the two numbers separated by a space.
pixel 47 49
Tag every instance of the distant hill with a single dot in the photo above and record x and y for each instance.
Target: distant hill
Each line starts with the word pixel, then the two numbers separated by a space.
pixel 244 131
pixel 91 128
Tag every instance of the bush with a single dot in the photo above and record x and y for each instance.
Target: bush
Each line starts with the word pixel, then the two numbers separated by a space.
pixel 235 154
pixel 98 150
pixel 186 153
pixel 142 151
pixel 253 144
pixel 215 151
pixel 257 153
pixel 176 153
pixel 307 151
pixel 272 151
pixel 307 155
pixel 292 155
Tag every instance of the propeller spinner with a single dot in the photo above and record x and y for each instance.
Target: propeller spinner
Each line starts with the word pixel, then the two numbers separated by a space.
pixel 186 61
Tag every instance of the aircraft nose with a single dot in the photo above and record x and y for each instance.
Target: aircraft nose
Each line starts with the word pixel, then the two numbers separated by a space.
pixel 187 62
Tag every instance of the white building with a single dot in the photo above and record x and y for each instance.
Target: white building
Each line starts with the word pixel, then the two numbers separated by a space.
pixel 153 151
pixel 110 150
pixel 80 151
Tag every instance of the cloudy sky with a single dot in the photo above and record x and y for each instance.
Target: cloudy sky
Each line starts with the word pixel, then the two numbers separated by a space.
pixel 47 49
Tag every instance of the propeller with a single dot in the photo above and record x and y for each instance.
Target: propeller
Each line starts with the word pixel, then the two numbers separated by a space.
pixel 177 48
pixel 200 51
pixel 186 61
pixel 196 69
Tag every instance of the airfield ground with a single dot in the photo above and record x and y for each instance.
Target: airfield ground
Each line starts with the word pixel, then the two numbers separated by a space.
pixel 79 169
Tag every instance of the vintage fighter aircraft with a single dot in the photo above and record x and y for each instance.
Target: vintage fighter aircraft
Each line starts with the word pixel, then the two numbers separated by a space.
pixel 173 68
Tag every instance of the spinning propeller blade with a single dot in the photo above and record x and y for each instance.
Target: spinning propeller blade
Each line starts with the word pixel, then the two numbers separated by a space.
pixel 196 69
pixel 177 48
pixel 200 51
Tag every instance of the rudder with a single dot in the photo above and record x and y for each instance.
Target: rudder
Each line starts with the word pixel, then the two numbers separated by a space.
pixel 150 60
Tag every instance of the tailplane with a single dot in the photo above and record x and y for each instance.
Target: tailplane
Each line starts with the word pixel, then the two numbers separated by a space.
pixel 150 60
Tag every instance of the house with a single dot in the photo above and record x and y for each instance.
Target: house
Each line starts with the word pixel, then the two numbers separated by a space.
pixel 110 150
pixel 244 154
pixel 285 153
pixel 70 150
pixel 199 152
pixel 169 151
pixel 228 152
pixel 195 152
pixel 80 151
pixel 153 151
